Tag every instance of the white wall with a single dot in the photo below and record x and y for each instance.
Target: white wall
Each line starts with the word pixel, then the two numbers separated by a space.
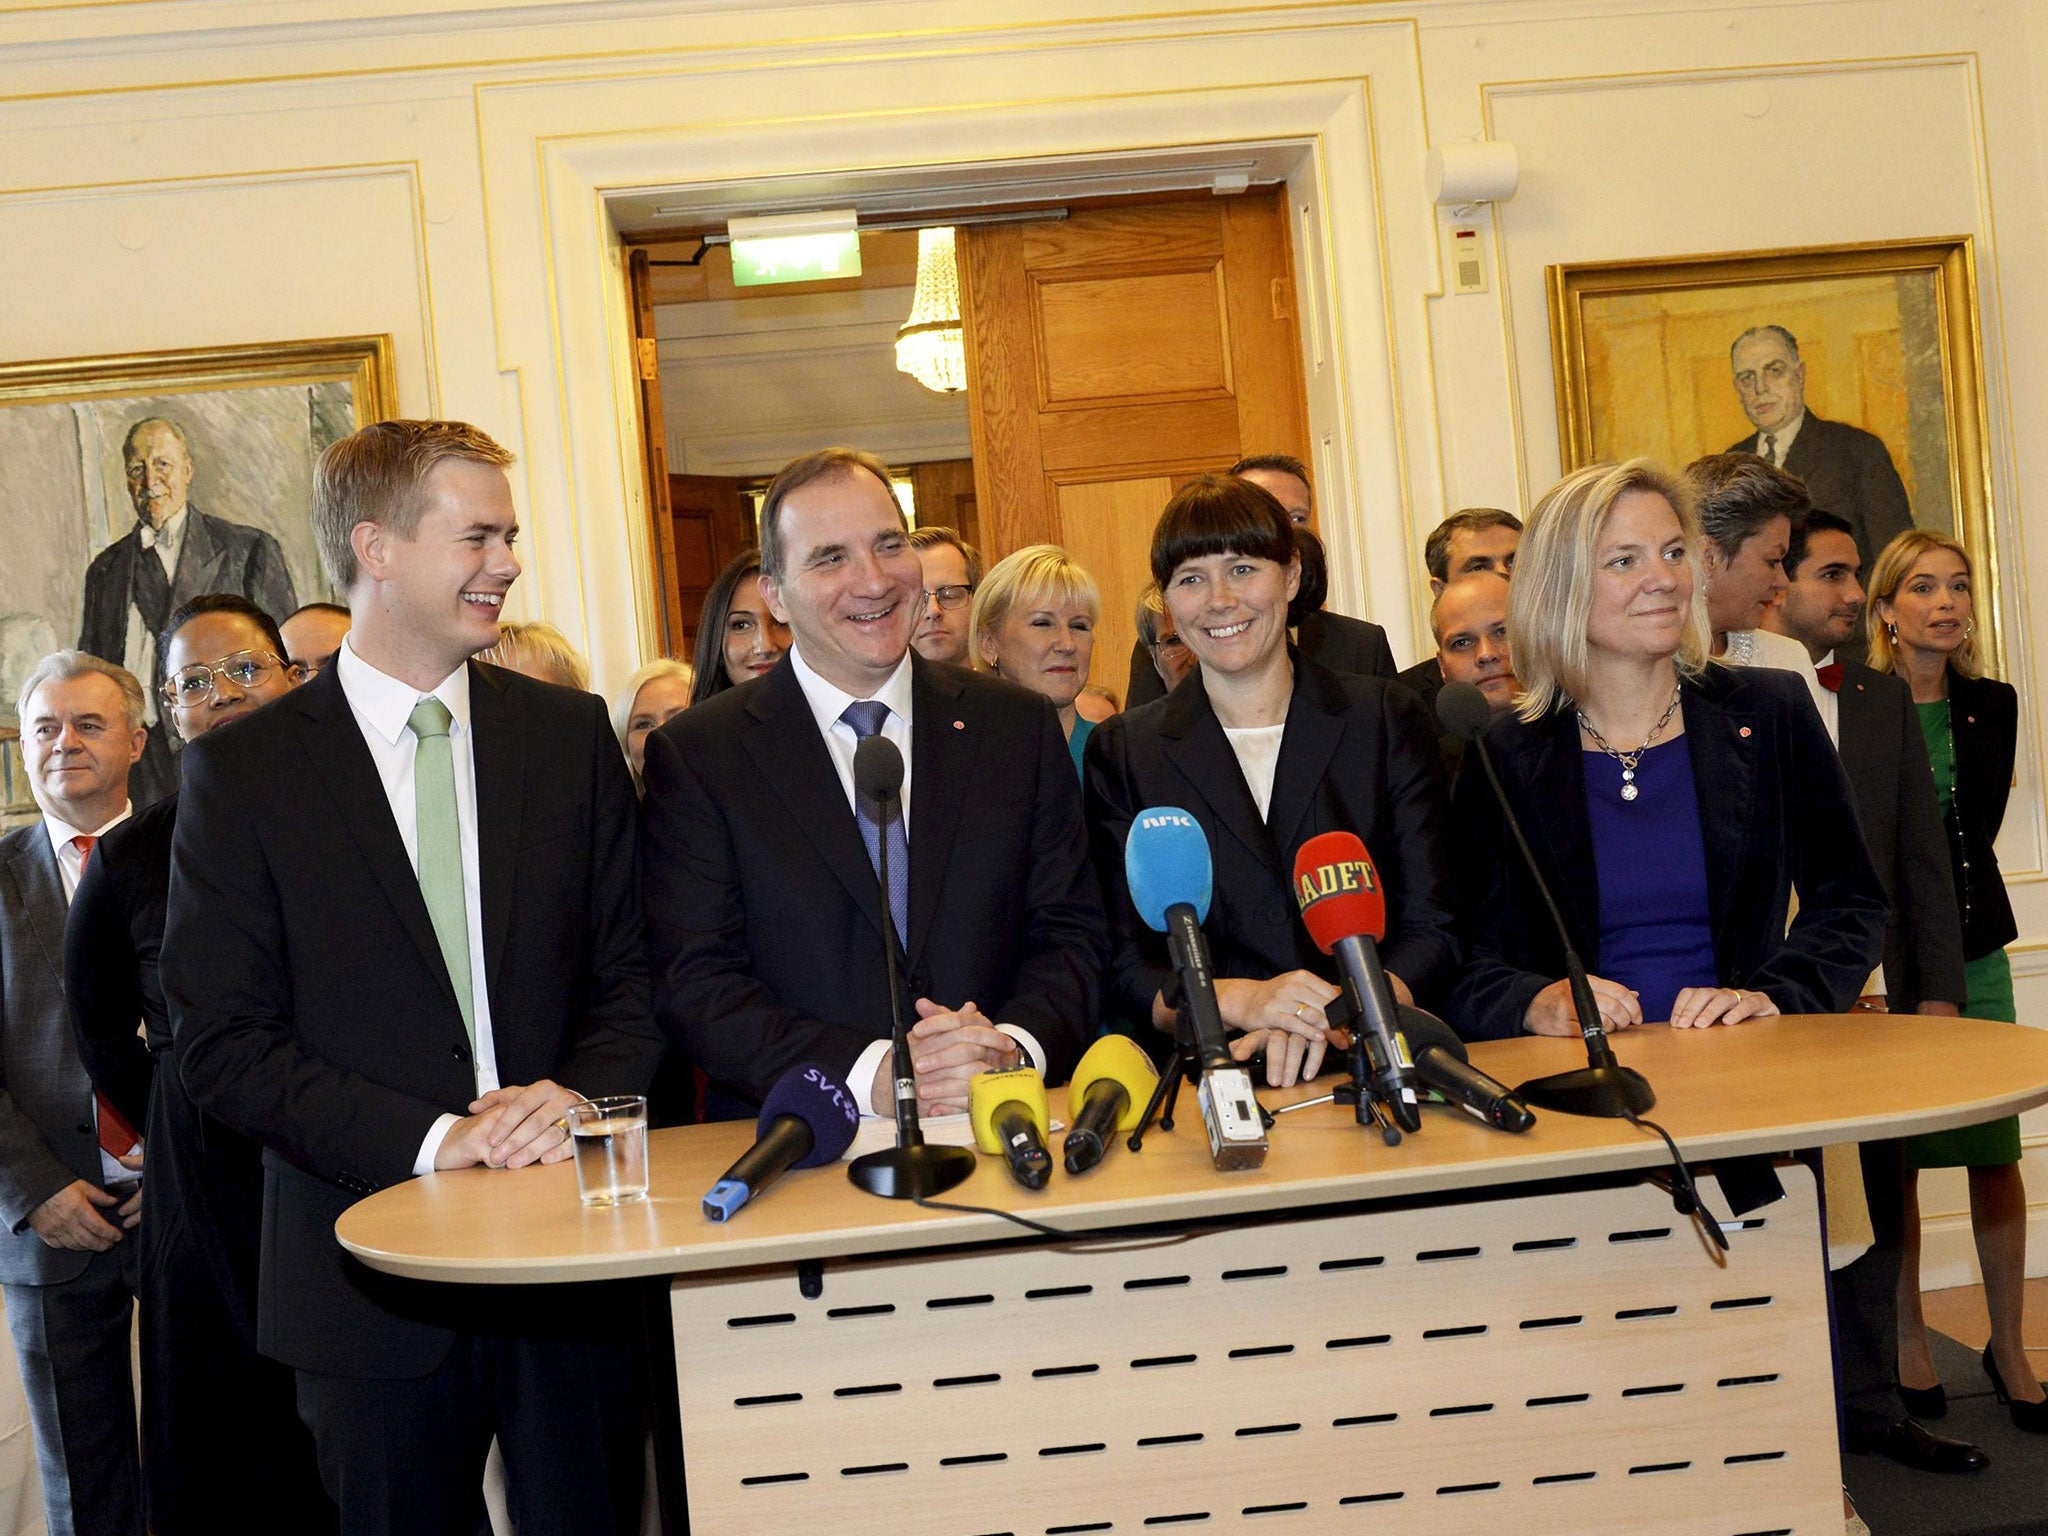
pixel 177 172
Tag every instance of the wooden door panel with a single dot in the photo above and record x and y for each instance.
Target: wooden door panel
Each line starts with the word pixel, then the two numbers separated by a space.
pixel 1107 527
pixel 1272 409
pixel 1201 431
pixel 1126 340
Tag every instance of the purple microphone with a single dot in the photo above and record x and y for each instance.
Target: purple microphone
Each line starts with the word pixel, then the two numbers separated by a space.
pixel 808 1120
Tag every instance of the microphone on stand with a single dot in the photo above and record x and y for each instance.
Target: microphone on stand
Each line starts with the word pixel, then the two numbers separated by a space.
pixel 910 1170
pixel 1603 1087
pixel 1441 1062
pixel 1345 912
pixel 807 1121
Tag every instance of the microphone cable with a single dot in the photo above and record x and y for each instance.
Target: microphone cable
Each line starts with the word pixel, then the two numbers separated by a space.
pixel 1685 1195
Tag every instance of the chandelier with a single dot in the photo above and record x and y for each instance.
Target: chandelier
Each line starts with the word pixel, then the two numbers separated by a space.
pixel 929 345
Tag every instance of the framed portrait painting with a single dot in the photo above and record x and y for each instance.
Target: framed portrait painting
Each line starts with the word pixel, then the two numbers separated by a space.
pixel 1856 367
pixel 131 484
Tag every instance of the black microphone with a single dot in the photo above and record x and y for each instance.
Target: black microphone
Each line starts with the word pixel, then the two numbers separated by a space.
pixel 909 1170
pixel 1603 1087
pixel 1442 1063
pixel 807 1120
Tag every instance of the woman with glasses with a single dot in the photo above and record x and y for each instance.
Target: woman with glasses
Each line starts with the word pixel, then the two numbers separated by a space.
pixel 1034 623
pixel 223 1446
pixel 1266 748
pixel 1163 647
pixel 1674 806
pixel 738 639
pixel 1925 630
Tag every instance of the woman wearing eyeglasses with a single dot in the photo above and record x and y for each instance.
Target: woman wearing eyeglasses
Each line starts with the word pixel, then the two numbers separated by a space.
pixel 1034 623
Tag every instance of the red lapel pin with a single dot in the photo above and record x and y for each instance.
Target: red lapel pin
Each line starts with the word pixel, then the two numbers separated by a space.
pixel 1744 732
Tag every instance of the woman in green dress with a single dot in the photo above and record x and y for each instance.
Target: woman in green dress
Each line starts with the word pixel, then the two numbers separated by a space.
pixel 1926 633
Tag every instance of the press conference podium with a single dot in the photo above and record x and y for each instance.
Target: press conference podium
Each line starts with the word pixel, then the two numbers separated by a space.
pixel 1469 1330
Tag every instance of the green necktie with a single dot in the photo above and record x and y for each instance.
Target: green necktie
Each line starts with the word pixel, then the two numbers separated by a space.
pixel 440 848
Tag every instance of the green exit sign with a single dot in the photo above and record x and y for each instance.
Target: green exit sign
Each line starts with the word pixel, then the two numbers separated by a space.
pixel 809 247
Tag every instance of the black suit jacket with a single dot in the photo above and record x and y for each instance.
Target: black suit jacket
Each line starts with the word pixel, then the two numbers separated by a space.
pixel 1426 680
pixel 1885 756
pixel 112 947
pixel 1341 643
pixel 310 1003
pixel 1848 472
pixel 762 910
pixel 1357 756
pixel 1776 813
pixel 1984 714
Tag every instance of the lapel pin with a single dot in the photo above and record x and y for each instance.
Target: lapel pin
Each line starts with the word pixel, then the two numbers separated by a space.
pixel 959 725
pixel 1743 733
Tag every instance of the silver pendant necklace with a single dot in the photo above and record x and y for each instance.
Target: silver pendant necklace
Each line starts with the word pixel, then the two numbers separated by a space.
pixel 1628 760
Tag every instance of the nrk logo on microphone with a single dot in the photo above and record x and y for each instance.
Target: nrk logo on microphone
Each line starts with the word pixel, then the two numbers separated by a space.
pixel 1343 877
pixel 1152 819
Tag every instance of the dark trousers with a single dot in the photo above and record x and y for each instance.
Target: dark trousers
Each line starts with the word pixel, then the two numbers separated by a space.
pixel 224 1450
pixel 72 1338
pixel 1866 1301
pixel 406 1458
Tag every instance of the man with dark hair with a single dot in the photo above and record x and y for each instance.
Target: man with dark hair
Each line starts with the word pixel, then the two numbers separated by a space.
pixel 1471 540
pixel 1470 621
pixel 1846 469
pixel 952 570
pixel 173 553
pixel 69 1159
pixel 764 916
pixel 417 959
pixel 1871 717
pixel 1339 642
pixel 311 637
pixel 223 1448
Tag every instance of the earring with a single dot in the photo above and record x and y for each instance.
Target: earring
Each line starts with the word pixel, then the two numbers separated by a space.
pixel 1969 629
pixel 1891 631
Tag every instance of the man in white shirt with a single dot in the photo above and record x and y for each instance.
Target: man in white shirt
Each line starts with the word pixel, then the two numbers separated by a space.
pixel 416 960
pixel 765 917
pixel 69 1163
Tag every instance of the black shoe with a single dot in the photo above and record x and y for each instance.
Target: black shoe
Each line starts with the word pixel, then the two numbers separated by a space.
pixel 2030 1417
pixel 1925 1403
pixel 1916 1446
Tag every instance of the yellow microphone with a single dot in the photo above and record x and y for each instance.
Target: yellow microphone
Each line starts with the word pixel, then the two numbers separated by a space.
pixel 1107 1097
pixel 1009 1115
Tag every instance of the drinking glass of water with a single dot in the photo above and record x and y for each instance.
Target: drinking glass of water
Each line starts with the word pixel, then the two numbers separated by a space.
pixel 611 1148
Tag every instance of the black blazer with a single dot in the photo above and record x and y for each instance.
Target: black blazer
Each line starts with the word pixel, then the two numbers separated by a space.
pixel 1984 714
pixel 112 946
pixel 1885 756
pixel 1426 680
pixel 310 1004
pixel 1849 472
pixel 1776 812
pixel 1341 643
pixel 1357 756
pixel 763 916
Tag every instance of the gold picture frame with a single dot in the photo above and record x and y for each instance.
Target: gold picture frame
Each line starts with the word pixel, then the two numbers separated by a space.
pixel 254 419
pixel 1888 342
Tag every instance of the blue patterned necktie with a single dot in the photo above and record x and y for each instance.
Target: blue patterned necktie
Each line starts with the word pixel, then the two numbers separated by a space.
pixel 866 717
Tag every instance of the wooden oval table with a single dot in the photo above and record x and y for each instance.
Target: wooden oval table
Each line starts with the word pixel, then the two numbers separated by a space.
pixel 1469 1327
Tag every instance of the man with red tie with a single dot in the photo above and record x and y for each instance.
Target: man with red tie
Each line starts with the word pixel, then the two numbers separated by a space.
pixel 70 1165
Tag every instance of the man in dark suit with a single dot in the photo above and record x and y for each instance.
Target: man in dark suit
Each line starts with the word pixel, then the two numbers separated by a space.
pixel 1339 642
pixel 1847 470
pixel 224 1452
pixel 68 1161
pixel 1871 717
pixel 174 553
pixel 764 916
pixel 1470 621
pixel 396 967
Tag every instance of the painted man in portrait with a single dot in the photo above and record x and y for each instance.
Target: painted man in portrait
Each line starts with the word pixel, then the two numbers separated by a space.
pixel 1847 470
pixel 174 553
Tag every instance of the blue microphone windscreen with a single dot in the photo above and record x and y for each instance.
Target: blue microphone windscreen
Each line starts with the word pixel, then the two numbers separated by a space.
pixel 818 1099
pixel 1166 862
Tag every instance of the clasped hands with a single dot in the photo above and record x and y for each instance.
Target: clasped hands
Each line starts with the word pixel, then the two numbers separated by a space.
pixel 511 1127
pixel 948 1046
pixel 71 1217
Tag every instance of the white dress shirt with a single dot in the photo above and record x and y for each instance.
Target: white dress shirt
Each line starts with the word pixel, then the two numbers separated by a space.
pixel 828 702
pixel 1781 440
pixel 1258 759
pixel 383 709
pixel 70 869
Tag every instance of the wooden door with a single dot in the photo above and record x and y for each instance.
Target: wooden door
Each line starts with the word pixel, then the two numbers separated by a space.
pixel 1113 356
pixel 654 458
pixel 711 521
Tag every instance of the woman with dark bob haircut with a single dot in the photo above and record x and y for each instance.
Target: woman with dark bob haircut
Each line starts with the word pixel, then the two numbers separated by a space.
pixel 738 639
pixel 1674 806
pixel 1267 749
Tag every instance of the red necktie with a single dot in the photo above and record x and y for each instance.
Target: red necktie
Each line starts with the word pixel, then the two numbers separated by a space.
pixel 1831 676
pixel 117 1136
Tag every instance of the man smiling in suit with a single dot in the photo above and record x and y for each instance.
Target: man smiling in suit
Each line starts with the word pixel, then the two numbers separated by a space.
pixel 763 910
pixel 401 921
pixel 174 553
